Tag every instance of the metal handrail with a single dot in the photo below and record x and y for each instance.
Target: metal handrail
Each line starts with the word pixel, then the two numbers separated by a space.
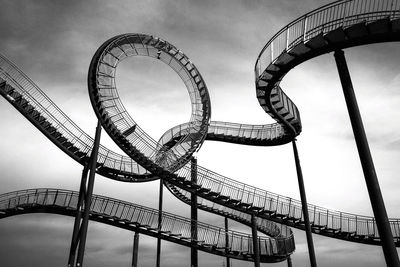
pixel 283 237
pixel 322 20
pixel 271 201
pixel 319 21
pixel 133 213
pixel 27 94
pixel 59 120
pixel 263 133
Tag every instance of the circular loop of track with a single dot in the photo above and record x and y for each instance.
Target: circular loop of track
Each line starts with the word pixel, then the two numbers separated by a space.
pixel 168 154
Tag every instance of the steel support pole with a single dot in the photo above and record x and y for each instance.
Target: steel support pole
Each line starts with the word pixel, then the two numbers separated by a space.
pixel 371 179
pixel 307 225
pixel 289 261
pixel 160 207
pixel 78 217
pixel 193 213
pixel 135 249
pixel 83 208
pixel 228 260
pixel 256 248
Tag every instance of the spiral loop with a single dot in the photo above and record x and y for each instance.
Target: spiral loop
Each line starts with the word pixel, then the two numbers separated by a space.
pixel 169 154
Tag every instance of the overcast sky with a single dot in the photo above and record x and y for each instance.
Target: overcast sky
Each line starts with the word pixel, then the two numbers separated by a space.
pixel 53 43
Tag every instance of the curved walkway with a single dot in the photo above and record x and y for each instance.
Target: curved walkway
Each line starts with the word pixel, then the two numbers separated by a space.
pixel 335 26
pixel 133 217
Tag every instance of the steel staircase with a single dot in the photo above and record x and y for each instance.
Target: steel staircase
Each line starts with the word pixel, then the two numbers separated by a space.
pixel 335 26
pixel 141 219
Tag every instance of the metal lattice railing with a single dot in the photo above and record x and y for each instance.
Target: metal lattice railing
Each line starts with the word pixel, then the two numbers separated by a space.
pixel 30 92
pixel 173 225
pixel 109 107
pixel 341 13
pixel 217 183
pixel 320 21
pixel 220 131
pixel 287 207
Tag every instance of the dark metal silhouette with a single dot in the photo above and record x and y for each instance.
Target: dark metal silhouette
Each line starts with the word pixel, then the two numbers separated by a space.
pixel 135 255
pixel 136 218
pixel 228 261
pixel 303 197
pixel 334 26
pixel 256 245
pixel 160 207
pixel 83 206
pixel 289 261
pixel 193 215
pixel 371 179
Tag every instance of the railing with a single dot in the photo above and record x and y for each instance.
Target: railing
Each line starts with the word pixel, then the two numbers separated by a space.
pixel 29 91
pixel 262 132
pixel 277 204
pixel 322 20
pixel 61 122
pixel 105 99
pixel 283 238
pixel 208 179
pixel 218 130
pixel 208 235
pixel 267 227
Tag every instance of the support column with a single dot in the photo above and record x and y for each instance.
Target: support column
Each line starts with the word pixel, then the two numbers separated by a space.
pixel 193 213
pixel 289 261
pixel 256 248
pixel 160 202
pixel 135 249
pixel 371 179
pixel 304 207
pixel 78 217
pixel 83 208
pixel 228 260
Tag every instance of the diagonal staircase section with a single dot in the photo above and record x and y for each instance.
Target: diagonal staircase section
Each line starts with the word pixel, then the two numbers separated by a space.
pixel 141 219
pixel 35 105
pixel 335 26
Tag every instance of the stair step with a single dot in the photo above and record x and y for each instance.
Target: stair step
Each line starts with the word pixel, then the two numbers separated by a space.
pixel 67 144
pixel 357 30
pixel 212 194
pixel 223 197
pixel 336 36
pixel 129 131
pixel 56 134
pixel 316 42
pixel 73 149
pixel 47 125
pixel 80 154
pixel 243 204
pixel 233 201
pixel 379 26
pixel 8 89
pixel 204 190
pixel 175 235
pixel 62 139
pixel 283 59
pixel 299 50
pixel 2 84
pixel 396 25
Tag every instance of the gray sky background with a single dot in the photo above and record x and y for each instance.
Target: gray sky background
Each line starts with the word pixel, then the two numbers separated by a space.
pixel 53 43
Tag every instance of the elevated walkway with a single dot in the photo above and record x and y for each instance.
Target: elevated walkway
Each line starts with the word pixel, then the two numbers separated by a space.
pixel 335 26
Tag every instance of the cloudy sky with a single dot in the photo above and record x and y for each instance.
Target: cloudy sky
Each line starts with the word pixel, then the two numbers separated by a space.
pixel 53 43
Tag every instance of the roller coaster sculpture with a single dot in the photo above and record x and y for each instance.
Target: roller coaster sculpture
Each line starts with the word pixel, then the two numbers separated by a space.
pixel 332 27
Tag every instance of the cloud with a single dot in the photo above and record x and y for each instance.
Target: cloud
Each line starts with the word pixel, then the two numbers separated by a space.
pixel 53 43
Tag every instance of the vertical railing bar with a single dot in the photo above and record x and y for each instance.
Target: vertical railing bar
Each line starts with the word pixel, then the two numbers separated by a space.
pixel 356 225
